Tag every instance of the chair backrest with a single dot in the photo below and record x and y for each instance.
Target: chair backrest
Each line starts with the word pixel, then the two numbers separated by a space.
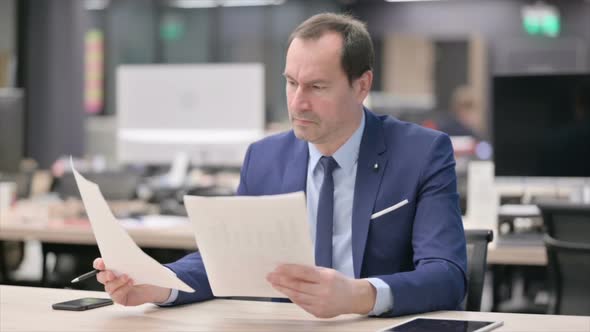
pixel 569 274
pixel 566 221
pixel 477 252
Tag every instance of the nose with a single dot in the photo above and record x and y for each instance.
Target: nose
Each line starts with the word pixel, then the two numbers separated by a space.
pixel 299 99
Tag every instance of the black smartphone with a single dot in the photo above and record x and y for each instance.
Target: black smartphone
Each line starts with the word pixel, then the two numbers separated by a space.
pixel 85 303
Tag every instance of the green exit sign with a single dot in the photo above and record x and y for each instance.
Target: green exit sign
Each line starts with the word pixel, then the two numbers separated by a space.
pixel 541 19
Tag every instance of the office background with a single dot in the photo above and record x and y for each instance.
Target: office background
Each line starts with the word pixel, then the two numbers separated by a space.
pixel 58 79
pixel 47 39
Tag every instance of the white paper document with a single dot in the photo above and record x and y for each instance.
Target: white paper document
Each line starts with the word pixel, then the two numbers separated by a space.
pixel 117 249
pixel 243 238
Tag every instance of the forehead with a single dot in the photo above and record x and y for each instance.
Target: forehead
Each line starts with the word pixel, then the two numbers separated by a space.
pixel 313 58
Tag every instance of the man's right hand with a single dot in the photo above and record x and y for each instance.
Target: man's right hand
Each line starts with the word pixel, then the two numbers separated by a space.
pixel 124 292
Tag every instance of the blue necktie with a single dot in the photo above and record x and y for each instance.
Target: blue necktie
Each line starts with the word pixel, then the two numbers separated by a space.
pixel 325 217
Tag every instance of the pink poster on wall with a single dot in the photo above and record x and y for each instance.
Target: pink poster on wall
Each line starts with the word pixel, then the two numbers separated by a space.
pixel 94 62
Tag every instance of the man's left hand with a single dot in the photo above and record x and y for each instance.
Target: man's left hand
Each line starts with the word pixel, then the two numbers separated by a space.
pixel 323 292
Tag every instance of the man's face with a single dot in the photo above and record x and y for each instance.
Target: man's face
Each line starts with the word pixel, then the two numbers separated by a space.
pixel 323 107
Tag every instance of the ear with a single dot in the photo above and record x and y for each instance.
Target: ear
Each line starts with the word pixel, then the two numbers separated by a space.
pixel 362 85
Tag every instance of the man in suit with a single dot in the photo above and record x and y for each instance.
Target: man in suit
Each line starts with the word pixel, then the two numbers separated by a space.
pixel 351 164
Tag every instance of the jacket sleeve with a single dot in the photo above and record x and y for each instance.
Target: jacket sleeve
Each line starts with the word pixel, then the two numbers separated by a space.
pixel 191 269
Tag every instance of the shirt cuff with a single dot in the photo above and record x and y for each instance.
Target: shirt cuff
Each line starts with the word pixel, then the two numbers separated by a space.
pixel 173 296
pixel 383 299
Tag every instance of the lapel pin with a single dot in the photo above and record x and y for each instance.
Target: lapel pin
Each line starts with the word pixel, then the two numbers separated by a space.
pixel 376 167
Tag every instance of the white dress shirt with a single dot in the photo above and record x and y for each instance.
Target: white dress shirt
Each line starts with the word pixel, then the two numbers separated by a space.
pixel 344 180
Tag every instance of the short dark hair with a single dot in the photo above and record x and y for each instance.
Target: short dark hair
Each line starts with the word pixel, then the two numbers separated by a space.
pixel 357 55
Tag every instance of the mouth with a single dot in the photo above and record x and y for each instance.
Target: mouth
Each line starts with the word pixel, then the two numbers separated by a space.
pixel 303 122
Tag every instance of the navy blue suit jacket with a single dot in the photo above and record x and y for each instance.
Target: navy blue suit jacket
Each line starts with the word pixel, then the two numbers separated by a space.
pixel 418 250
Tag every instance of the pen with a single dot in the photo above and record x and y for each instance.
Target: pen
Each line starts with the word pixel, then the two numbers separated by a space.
pixel 85 276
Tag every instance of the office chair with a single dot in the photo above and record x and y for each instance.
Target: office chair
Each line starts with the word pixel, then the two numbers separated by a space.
pixel 477 252
pixel 569 273
pixel 11 256
pixel 566 221
pixel 567 240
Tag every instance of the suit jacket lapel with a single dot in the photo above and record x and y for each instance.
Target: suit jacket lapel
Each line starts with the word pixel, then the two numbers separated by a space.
pixel 368 180
pixel 295 177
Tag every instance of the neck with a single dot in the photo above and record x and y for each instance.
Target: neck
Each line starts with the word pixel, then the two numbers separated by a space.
pixel 329 148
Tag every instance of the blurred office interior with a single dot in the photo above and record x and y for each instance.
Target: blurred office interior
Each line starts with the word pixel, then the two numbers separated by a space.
pixel 156 99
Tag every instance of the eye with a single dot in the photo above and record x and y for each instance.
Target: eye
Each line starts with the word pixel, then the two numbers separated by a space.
pixel 318 87
pixel 291 83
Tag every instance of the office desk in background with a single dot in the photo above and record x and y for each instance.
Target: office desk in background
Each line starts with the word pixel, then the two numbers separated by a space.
pixel 19 304
pixel 182 237
pixel 532 255
pixel 174 237
pixel 506 253
pixel 163 238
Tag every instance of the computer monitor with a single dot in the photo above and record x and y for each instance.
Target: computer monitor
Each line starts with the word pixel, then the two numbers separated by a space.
pixel 541 125
pixel 211 112
pixel 11 130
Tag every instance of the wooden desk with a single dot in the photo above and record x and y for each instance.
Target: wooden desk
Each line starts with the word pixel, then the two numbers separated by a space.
pixel 517 255
pixel 177 237
pixel 181 237
pixel 509 254
pixel 29 309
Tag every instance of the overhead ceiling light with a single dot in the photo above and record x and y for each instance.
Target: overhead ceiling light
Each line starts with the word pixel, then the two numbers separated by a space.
pixel 193 4
pixel 96 4
pixel 222 3
pixel 244 3
pixel 408 0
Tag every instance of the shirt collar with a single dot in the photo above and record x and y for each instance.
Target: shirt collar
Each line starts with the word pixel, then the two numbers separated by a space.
pixel 347 155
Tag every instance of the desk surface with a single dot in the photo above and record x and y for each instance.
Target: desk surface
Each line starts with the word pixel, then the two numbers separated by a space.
pixel 29 309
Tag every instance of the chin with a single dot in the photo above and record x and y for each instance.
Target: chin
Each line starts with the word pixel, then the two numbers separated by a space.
pixel 301 134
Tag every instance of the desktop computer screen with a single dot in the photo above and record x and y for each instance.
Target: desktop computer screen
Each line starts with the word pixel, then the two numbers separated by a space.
pixel 541 125
pixel 210 112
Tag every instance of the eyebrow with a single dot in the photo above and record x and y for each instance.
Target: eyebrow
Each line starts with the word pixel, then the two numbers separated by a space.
pixel 319 81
